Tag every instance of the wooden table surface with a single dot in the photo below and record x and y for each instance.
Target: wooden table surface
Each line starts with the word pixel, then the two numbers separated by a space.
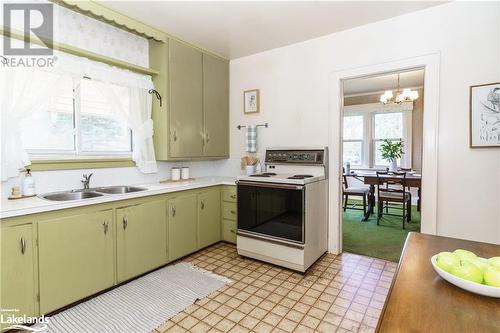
pixel 421 301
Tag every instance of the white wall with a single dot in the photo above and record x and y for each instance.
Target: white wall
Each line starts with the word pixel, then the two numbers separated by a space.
pixel 293 83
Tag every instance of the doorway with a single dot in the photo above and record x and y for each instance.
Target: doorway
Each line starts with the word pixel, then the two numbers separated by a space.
pixel 428 213
pixel 382 117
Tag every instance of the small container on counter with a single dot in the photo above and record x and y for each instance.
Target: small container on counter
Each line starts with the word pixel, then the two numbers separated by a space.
pixel 28 184
pixel 250 169
pixel 185 173
pixel 175 174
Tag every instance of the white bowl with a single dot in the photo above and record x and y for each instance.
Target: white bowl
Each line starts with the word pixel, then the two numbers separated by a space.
pixel 473 287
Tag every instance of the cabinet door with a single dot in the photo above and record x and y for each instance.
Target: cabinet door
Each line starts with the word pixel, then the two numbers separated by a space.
pixel 229 231
pixel 17 270
pixel 186 105
pixel 182 225
pixel 141 238
pixel 216 106
pixel 76 258
pixel 209 217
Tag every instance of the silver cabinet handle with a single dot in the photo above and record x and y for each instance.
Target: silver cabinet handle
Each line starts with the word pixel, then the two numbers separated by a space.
pixel 208 138
pixel 233 231
pixel 233 212
pixel 233 196
pixel 125 222
pixel 105 225
pixel 202 205
pixel 173 210
pixel 174 135
pixel 23 245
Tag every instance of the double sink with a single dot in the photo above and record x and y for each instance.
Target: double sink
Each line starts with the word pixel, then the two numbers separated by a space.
pixel 90 193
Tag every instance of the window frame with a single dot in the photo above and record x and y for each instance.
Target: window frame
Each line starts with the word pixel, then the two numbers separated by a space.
pixel 362 140
pixel 368 111
pixel 44 156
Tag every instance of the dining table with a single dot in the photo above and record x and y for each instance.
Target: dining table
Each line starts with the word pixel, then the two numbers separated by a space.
pixel 369 177
pixel 419 300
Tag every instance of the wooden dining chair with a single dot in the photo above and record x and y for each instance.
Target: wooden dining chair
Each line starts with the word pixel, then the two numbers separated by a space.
pixel 355 192
pixel 396 195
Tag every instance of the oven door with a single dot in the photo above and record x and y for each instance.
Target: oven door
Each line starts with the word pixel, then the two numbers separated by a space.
pixel 271 211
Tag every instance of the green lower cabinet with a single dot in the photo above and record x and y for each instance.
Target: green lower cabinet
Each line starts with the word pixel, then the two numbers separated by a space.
pixel 141 232
pixel 209 215
pixel 76 258
pixel 17 288
pixel 229 231
pixel 182 225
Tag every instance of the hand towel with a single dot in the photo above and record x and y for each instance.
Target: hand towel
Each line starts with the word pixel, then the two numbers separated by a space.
pixel 251 139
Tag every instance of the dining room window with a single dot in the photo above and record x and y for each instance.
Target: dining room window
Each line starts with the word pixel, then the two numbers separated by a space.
pixel 353 141
pixel 386 126
pixel 365 129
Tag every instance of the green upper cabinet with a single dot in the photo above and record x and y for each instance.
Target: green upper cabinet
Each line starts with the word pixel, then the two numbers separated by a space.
pixel 17 264
pixel 182 225
pixel 209 217
pixel 193 121
pixel 75 257
pixel 186 101
pixel 141 233
pixel 215 106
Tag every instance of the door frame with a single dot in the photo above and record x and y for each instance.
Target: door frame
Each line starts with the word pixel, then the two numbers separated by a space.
pixel 431 65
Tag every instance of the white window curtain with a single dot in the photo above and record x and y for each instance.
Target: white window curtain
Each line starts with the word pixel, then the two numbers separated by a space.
pixel 127 94
pixel 26 90
pixel 22 91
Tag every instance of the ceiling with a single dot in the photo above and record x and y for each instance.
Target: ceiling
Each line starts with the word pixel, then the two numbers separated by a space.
pixel 379 83
pixel 238 29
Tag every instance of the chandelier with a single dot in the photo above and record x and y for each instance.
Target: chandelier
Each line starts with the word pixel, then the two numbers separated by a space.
pixel 407 95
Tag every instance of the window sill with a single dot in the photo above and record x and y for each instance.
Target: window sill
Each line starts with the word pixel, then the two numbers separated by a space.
pixel 71 164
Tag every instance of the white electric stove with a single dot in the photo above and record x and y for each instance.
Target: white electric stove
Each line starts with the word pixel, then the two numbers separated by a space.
pixel 283 212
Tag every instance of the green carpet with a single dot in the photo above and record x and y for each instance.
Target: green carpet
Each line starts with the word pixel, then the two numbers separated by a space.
pixel 384 241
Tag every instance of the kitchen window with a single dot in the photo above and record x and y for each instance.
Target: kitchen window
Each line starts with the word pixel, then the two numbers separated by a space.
pixel 364 129
pixel 79 110
pixel 80 123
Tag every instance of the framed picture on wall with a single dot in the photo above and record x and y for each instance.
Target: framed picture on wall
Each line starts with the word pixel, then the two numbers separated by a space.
pixel 251 101
pixel 485 115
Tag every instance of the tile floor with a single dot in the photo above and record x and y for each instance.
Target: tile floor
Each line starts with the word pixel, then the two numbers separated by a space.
pixel 342 293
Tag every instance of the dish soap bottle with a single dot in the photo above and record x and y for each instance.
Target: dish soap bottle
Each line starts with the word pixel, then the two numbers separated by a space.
pixel 28 184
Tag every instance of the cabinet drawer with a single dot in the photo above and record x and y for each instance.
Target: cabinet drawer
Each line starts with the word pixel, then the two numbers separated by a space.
pixel 229 211
pixel 229 193
pixel 229 231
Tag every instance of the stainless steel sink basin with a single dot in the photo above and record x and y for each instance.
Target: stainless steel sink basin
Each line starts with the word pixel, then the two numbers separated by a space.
pixel 119 189
pixel 71 195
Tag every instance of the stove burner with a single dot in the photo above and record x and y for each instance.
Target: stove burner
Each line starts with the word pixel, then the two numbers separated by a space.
pixel 265 174
pixel 300 176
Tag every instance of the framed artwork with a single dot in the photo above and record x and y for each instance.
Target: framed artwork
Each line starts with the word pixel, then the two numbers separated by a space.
pixel 485 115
pixel 251 101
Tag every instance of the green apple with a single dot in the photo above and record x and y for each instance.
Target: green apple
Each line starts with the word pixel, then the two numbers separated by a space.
pixel 480 263
pixel 494 261
pixel 468 271
pixel 492 276
pixel 447 261
pixel 464 254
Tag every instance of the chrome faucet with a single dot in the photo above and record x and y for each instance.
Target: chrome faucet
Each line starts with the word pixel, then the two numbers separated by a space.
pixel 86 181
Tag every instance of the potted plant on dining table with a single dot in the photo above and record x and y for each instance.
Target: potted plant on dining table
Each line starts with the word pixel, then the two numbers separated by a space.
pixel 392 151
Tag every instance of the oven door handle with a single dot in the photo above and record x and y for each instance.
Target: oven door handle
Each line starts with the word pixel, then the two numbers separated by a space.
pixel 271 185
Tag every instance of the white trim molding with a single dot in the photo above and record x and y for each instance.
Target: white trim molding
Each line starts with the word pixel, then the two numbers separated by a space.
pixel 431 64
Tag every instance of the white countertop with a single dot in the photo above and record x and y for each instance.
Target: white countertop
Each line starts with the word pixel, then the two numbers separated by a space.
pixel 11 208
